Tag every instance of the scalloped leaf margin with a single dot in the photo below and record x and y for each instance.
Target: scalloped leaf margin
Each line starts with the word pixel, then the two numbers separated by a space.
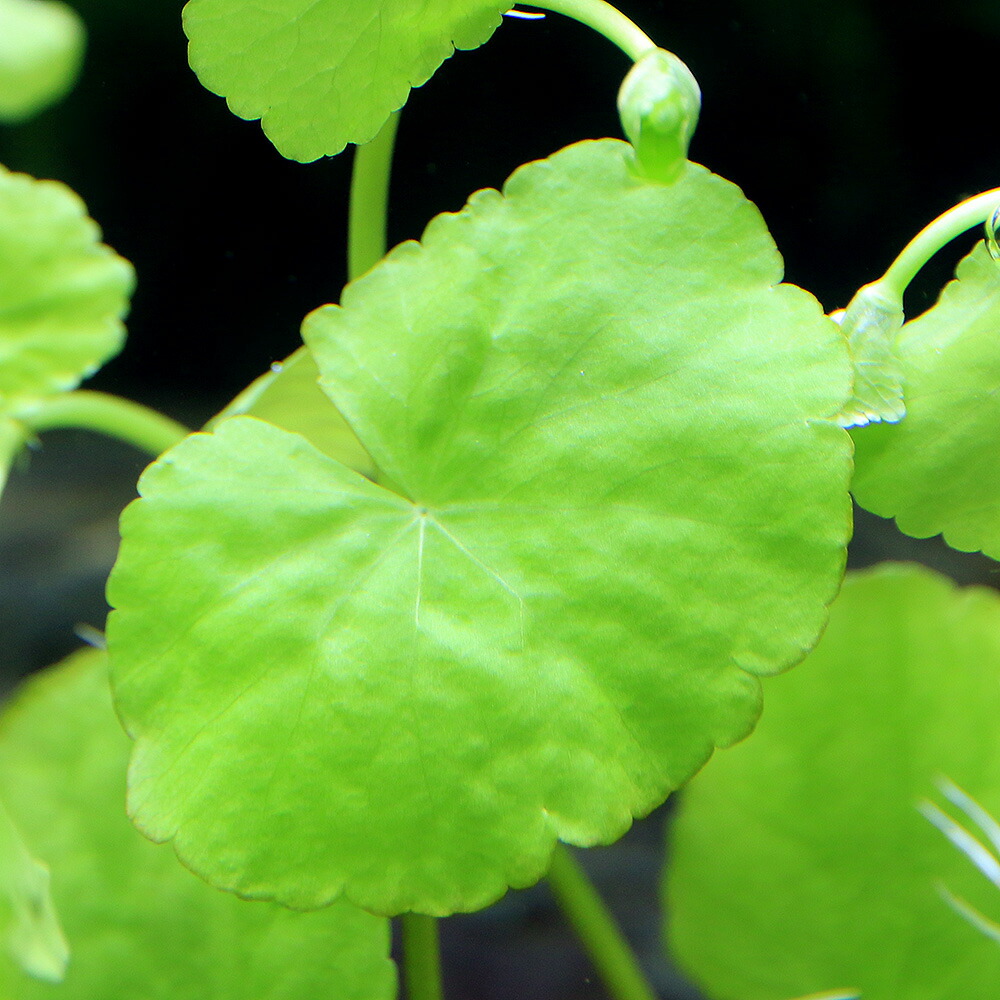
pixel 598 430
pixel 324 73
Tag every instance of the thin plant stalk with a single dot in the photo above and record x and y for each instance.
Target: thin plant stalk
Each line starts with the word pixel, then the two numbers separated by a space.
pixel 421 957
pixel 366 225
pixel 610 953
pixel 113 416
pixel 972 212
pixel 366 246
pixel 606 20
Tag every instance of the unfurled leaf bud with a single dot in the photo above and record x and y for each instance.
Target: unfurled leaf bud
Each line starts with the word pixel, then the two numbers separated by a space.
pixel 658 103
pixel 870 325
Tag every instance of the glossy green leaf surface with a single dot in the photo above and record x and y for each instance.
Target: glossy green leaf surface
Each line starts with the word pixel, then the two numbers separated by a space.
pixel 62 293
pixel 938 470
pixel 323 73
pixel 612 497
pixel 800 861
pixel 138 923
pixel 289 397
pixel 41 48
pixel 30 934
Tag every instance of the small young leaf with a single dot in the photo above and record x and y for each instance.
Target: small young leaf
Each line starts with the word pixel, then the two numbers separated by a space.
pixel 612 495
pixel 41 48
pixel 29 927
pixel 139 924
pixel 938 470
pixel 871 324
pixel 323 73
pixel 800 859
pixel 659 103
pixel 289 397
pixel 62 293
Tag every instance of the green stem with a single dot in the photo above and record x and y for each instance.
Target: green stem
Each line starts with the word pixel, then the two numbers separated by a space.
pixel 97 411
pixel 604 19
pixel 609 951
pixel 366 239
pixel 421 957
pixel 932 238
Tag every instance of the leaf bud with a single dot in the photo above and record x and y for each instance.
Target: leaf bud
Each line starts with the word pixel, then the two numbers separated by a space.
pixel 658 103
pixel 870 325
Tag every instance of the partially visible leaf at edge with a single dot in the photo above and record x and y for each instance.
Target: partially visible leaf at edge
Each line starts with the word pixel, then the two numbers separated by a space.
pixel 41 48
pixel 289 397
pixel 938 470
pixel 139 923
pixel 63 294
pixel 800 861
pixel 618 497
pixel 29 926
pixel 324 73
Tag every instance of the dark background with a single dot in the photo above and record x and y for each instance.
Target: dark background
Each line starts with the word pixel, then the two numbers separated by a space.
pixel 851 124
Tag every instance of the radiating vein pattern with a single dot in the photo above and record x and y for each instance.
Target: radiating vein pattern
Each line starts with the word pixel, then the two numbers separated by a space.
pixel 612 495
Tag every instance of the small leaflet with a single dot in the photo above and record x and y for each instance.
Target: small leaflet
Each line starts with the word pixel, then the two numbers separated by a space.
pixel 871 324
pixel 28 920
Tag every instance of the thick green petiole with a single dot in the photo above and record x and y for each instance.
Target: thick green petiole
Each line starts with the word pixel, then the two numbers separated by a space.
pixel 421 957
pixel 609 951
pixel 973 212
pixel 873 318
pixel 366 246
pixel 366 226
pixel 604 19
pixel 111 415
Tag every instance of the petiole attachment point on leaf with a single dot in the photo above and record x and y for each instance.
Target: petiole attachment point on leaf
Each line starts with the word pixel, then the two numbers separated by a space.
pixel 659 102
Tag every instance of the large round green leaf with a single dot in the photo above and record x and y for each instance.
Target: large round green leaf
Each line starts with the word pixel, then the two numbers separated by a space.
pixel 938 470
pixel 140 925
pixel 63 294
pixel 41 47
pixel 323 73
pixel 612 495
pixel 800 862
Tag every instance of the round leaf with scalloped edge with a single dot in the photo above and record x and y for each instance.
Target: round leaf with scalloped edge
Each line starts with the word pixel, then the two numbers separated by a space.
pixel 938 470
pixel 63 294
pixel 323 73
pixel 800 861
pixel 612 496
pixel 138 923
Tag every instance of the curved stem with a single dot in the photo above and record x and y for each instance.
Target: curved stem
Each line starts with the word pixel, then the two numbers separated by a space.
pixel 97 411
pixel 366 221
pixel 609 951
pixel 421 957
pixel 975 211
pixel 604 19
